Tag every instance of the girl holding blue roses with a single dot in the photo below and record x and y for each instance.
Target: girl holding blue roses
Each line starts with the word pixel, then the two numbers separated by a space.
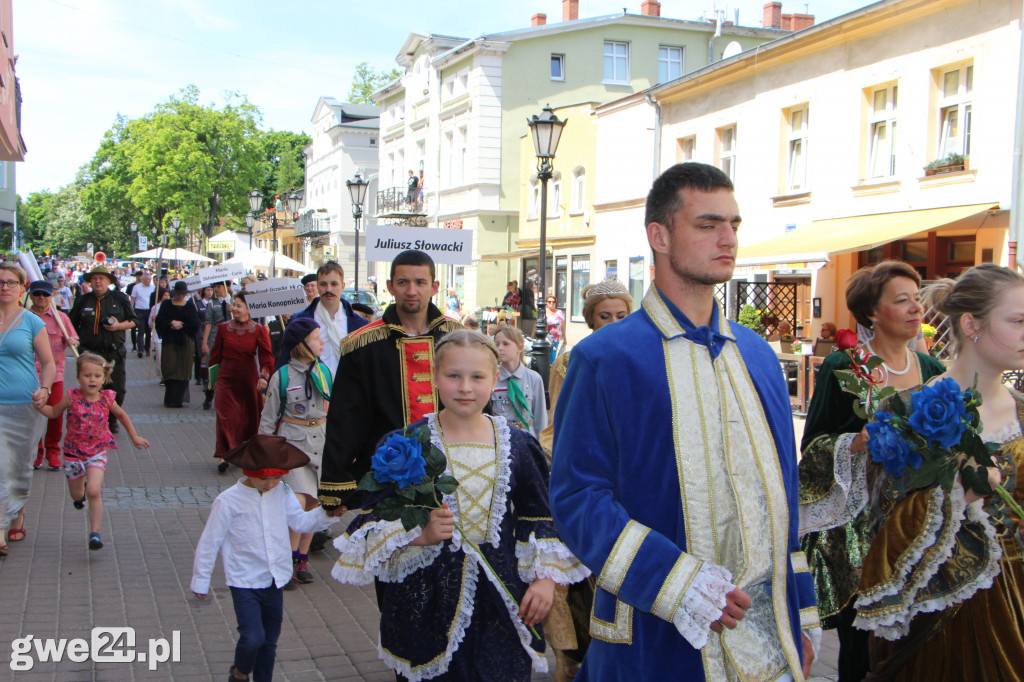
pixel 942 585
pixel 444 614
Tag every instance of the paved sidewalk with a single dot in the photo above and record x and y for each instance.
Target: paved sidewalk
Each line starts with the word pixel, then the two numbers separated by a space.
pixel 155 505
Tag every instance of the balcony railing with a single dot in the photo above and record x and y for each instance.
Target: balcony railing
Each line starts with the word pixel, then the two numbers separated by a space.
pixel 394 202
pixel 311 224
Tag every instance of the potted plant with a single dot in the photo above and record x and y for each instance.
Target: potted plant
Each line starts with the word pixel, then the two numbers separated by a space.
pixel 929 335
pixel 951 163
pixel 750 317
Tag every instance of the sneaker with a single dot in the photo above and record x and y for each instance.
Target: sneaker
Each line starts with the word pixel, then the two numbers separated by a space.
pixel 53 467
pixel 79 504
pixel 302 575
pixel 36 466
pixel 94 541
pixel 291 584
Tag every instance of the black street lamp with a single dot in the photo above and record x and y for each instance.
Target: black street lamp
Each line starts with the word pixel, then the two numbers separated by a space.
pixel 547 129
pixel 357 192
pixel 255 201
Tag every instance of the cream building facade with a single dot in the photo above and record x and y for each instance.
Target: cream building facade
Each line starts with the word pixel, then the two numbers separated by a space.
pixel 457 117
pixel 827 133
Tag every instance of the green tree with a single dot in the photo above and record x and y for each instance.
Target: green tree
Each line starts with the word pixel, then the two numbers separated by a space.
pixel 285 166
pixel 185 159
pixel 366 81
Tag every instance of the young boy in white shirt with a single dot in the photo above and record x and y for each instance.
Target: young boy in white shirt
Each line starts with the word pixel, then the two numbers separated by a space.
pixel 248 525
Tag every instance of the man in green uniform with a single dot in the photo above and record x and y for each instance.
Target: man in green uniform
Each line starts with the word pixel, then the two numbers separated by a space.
pixel 101 317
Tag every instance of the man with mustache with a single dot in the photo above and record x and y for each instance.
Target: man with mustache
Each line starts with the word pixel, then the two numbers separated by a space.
pixel 385 377
pixel 333 314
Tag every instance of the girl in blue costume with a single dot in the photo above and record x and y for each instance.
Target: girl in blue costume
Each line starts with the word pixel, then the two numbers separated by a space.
pixel 443 615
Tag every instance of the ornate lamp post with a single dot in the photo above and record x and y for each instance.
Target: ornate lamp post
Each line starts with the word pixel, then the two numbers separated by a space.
pixel 547 129
pixel 255 201
pixel 357 192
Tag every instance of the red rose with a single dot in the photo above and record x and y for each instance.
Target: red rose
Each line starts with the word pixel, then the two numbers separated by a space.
pixel 846 339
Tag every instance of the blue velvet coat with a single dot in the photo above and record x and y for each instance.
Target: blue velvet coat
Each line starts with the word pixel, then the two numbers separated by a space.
pixel 614 470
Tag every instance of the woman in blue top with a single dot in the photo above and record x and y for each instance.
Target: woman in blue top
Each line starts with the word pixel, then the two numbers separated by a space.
pixel 22 338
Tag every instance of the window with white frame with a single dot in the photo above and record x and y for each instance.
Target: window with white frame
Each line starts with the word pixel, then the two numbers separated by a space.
pixel 463 154
pixel 882 132
pixel 796 161
pixel 727 150
pixel 687 145
pixel 558 67
pixel 449 157
pixel 533 210
pixel 636 278
pixel 579 190
pixel 670 63
pixel 956 86
pixel 616 62
pixel 555 207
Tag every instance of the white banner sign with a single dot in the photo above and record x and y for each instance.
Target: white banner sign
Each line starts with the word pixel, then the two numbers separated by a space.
pixel 193 283
pixel 276 296
pixel 452 247
pixel 220 273
pixel 143 242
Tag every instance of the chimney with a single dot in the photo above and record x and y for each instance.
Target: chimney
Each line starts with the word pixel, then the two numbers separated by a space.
pixel 570 10
pixel 538 20
pixel 798 22
pixel 650 8
pixel 787 22
pixel 773 15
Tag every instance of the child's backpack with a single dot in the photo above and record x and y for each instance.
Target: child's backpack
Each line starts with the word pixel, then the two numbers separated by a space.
pixel 325 385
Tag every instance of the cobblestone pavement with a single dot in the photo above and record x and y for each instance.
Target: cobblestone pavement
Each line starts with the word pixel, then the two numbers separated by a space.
pixel 155 505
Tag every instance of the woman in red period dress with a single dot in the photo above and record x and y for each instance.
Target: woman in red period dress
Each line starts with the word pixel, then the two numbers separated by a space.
pixel 242 349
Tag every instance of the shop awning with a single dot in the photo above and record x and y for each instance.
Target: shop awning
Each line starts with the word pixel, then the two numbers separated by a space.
pixel 511 255
pixel 825 238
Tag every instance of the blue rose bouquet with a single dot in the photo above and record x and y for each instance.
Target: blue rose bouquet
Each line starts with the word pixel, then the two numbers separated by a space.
pixel 412 468
pixel 939 440
pixel 409 465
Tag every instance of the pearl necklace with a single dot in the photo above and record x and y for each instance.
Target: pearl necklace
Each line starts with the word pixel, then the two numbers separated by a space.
pixel 889 369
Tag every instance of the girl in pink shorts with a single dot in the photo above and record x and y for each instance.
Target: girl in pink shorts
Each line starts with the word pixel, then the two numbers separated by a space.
pixel 87 437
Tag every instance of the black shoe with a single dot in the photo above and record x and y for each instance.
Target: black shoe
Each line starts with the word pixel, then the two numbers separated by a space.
pixel 222 467
pixel 320 539
pixel 52 468
pixel 36 466
pixel 140 353
pixel 94 541
pixel 79 504
pixel 209 400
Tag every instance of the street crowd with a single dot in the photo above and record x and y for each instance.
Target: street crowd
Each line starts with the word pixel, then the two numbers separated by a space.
pixel 645 510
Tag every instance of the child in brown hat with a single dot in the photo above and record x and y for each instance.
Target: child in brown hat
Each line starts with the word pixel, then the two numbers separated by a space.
pixel 249 525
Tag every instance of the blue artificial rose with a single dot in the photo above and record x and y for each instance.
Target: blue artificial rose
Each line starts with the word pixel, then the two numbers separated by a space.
pixel 399 459
pixel 887 446
pixel 938 413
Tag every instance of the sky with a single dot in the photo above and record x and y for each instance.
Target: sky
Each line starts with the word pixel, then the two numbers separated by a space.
pixel 83 62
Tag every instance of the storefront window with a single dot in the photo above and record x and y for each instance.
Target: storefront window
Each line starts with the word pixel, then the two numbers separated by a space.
pixel 636 280
pixel 561 279
pixel 580 279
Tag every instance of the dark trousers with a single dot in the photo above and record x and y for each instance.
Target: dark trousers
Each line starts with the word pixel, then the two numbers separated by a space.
pixel 143 339
pixel 49 444
pixel 259 614
pixel 853 647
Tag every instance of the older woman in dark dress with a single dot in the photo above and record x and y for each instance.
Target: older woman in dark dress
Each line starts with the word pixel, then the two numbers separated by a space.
pixel 177 323
pixel 242 351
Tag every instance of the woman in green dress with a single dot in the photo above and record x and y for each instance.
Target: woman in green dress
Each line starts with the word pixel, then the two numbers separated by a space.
pixel 885 299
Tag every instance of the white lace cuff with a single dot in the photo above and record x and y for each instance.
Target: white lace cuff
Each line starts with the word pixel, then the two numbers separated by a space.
pixel 548 558
pixel 847 497
pixel 378 549
pixel 703 603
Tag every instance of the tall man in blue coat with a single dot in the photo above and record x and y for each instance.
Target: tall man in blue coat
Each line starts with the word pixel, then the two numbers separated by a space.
pixel 674 474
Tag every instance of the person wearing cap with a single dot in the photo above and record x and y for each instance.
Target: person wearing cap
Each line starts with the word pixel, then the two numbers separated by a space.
pixel 177 323
pixel 101 317
pixel 309 286
pixel 248 525
pixel 40 294
pixel 332 313
pixel 296 408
